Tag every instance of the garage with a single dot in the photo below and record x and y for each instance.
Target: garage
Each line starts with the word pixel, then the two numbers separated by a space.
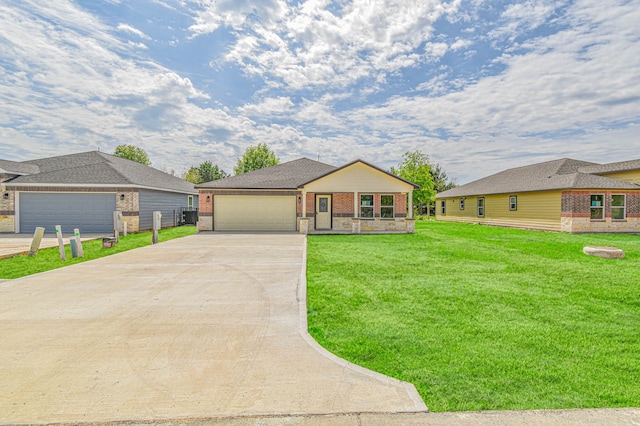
pixel 89 212
pixel 254 213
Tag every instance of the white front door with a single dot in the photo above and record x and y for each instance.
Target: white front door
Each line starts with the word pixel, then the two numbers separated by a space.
pixel 323 211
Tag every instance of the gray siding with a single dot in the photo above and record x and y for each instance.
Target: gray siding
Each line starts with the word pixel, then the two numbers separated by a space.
pixel 89 212
pixel 166 202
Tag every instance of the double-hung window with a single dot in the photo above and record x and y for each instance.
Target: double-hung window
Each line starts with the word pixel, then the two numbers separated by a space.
pixel 366 206
pixel 481 207
pixel 386 207
pixel 513 202
pixel 461 203
pixel 443 207
pixel 618 207
pixel 597 207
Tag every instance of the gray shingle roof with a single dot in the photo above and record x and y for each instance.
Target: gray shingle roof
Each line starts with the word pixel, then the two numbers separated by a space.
pixel 621 166
pixel 290 175
pixel 98 168
pixel 560 174
pixel 17 168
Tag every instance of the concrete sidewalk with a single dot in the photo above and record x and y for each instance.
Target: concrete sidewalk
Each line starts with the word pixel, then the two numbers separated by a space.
pixel 206 326
pixel 593 417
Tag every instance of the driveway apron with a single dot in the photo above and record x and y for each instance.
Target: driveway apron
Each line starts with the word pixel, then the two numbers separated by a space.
pixel 211 325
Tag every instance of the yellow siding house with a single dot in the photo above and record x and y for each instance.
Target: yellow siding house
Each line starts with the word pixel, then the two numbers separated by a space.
pixel 561 195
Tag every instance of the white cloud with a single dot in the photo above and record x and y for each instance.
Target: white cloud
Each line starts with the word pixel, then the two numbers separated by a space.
pixel 129 29
pixel 312 44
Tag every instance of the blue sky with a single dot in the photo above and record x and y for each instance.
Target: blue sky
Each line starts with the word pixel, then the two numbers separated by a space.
pixel 479 86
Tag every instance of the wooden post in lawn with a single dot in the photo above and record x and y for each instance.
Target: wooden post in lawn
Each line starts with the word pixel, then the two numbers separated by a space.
pixel 124 229
pixel 35 243
pixel 76 232
pixel 60 242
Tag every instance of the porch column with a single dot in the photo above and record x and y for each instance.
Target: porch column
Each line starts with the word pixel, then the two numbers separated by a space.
pixel 355 205
pixel 410 195
pixel 304 203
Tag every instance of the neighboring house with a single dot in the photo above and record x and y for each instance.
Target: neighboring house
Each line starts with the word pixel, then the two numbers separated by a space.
pixel 309 197
pixel 562 195
pixel 83 190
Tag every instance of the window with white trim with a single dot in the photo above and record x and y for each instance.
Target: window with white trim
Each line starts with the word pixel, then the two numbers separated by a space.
pixel 597 207
pixel 461 203
pixel 618 207
pixel 366 206
pixel 386 207
pixel 513 202
pixel 481 207
pixel 190 201
pixel 443 207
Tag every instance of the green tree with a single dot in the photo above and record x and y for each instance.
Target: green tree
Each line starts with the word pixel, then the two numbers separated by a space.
pixel 254 158
pixel 415 167
pixel 205 172
pixel 132 152
pixel 440 180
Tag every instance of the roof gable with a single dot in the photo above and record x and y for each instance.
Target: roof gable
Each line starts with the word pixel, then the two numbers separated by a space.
pixel 359 176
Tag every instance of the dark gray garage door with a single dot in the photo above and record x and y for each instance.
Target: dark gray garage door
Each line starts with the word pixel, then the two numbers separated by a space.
pixel 87 212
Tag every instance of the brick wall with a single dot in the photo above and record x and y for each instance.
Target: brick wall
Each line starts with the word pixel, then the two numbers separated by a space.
pixel 343 204
pixel 576 213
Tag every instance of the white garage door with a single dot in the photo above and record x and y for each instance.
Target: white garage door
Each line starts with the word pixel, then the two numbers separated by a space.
pixel 254 213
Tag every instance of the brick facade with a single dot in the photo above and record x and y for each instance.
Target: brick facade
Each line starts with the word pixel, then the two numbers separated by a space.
pixel 344 220
pixel 576 212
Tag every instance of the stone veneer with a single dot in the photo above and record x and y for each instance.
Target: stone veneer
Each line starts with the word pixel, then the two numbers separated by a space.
pixel 7 211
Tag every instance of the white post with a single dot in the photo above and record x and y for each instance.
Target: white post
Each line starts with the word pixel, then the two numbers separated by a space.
pixel 355 205
pixel 60 242
pixel 157 225
pixel 304 203
pixel 117 225
pixel 76 232
pixel 35 243
pixel 124 229
pixel 410 194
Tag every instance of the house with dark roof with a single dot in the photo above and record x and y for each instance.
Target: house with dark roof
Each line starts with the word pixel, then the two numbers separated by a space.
pixel 83 190
pixel 561 195
pixel 309 197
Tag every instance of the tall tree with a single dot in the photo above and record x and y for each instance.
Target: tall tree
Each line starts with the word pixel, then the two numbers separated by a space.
pixel 205 172
pixel 415 167
pixel 440 180
pixel 254 158
pixel 132 152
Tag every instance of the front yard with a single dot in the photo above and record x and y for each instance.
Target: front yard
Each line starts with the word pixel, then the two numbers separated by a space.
pixel 483 318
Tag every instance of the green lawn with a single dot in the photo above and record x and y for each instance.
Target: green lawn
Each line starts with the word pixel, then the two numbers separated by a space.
pixel 483 318
pixel 47 259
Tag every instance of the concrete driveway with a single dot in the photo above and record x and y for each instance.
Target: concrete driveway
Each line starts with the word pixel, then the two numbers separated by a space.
pixel 210 325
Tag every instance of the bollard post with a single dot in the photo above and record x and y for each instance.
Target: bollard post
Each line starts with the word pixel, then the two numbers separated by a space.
pixel 76 232
pixel 35 243
pixel 74 247
pixel 117 224
pixel 157 224
pixel 63 256
pixel 124 229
